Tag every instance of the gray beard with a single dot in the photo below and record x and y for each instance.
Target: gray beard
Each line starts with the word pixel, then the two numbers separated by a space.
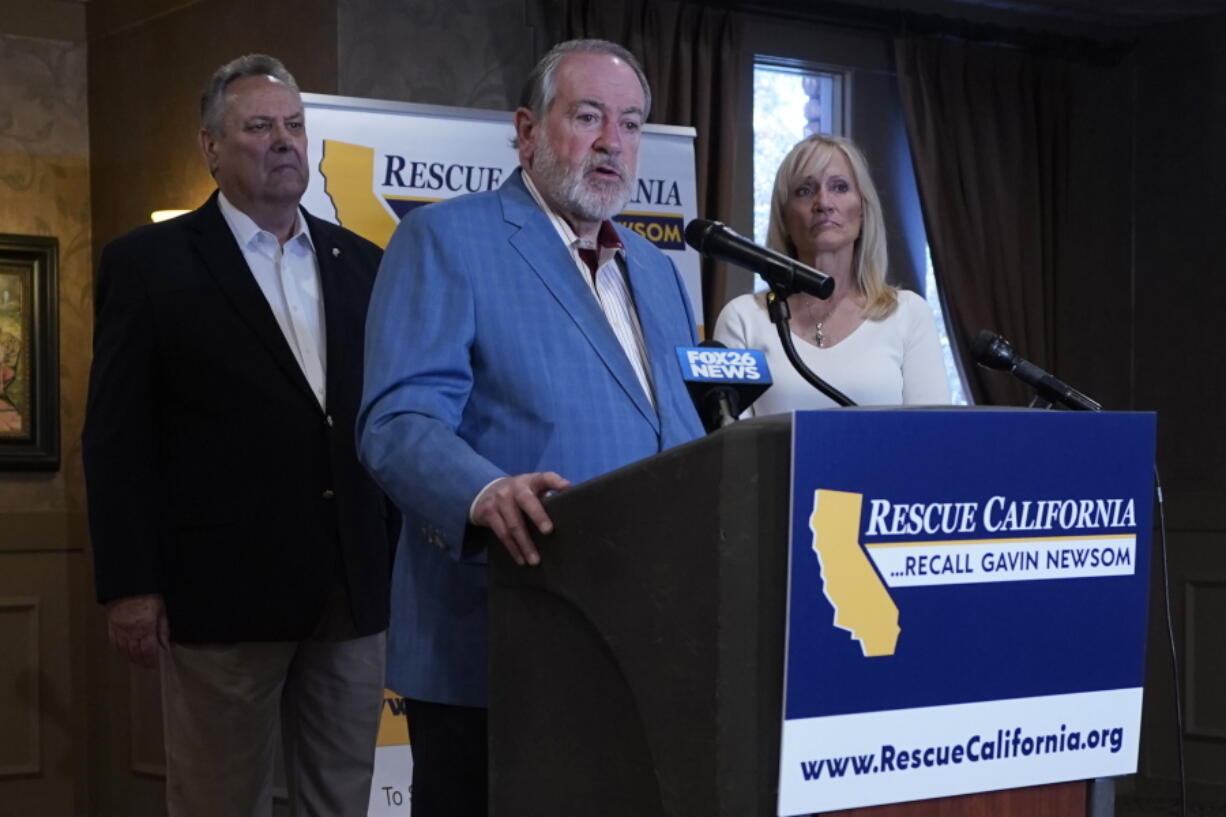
pixel 572 192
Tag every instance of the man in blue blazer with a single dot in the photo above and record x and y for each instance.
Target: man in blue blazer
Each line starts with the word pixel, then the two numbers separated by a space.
pixel 517 341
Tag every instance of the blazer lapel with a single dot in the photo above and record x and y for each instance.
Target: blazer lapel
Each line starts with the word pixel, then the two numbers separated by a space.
pixel 224 261
pixel 655 334
pixel 538 244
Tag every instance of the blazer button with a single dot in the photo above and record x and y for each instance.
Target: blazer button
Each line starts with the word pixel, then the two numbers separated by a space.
pixel 328 420
pixel 329 493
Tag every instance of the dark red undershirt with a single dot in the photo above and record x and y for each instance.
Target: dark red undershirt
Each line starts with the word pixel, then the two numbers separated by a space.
pixel 606 239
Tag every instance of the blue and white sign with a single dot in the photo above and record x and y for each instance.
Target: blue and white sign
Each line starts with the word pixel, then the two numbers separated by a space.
pixel 739 375
pixel 967 602
pixel 712 364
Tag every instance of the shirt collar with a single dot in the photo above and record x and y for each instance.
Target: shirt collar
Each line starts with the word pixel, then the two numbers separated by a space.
pixel 248 233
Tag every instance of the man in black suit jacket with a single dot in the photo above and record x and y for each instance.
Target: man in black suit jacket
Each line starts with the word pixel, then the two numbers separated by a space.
pixel 238 542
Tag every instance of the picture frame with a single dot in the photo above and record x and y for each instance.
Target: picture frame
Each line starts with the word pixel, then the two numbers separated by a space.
pixel 29 353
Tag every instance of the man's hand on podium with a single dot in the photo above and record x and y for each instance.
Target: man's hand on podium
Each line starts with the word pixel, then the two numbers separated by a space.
pixel 504 503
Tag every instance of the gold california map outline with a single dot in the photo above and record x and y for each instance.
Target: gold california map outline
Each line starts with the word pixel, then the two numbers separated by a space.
pixel 862 604
pixel 348 170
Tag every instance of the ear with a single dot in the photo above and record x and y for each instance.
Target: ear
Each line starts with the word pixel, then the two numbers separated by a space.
pixel 525 131
pixel 208 149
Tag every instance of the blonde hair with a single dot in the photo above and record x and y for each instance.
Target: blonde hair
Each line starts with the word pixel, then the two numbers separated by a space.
pixel 870 261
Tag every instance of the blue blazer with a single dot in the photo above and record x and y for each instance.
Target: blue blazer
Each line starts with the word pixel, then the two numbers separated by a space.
pixel 487 356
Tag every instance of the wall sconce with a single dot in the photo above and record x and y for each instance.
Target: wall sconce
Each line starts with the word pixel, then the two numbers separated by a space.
pixel 163 215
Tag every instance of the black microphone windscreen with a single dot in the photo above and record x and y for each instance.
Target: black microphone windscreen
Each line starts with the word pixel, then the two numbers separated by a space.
pixel 717 241
pixel 991 350
pixel 696 232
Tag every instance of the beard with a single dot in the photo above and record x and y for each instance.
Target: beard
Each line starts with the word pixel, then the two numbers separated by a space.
pixel 573 191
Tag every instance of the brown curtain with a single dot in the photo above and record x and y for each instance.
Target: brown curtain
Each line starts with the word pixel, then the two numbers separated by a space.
pixel 988 129
pixel 689 53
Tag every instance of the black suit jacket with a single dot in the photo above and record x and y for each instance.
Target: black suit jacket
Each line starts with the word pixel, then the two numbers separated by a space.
pixel 214 476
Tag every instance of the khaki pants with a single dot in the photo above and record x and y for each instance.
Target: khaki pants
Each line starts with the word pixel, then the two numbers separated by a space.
pixel 223 705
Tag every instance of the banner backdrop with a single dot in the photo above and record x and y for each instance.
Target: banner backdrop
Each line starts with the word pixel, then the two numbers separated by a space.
pixel 967 602
pixel 390 785
pixel 374 161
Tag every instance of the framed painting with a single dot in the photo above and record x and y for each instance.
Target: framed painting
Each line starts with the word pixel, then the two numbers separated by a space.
pixel 29 353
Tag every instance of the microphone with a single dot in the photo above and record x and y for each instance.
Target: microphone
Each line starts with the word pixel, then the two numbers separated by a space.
pixel 994 352
pixel 722 382
pixel 713 239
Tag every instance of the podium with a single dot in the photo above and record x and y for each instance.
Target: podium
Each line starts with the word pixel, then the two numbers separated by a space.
pixel 639 669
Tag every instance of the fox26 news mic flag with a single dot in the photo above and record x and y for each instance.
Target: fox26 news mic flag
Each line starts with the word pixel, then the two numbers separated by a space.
pixel 722 382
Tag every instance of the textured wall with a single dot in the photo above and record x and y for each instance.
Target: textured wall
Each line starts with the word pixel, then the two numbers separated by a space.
pixel 60 20
pixel 44 190
pixel 465 53
pixel 149 60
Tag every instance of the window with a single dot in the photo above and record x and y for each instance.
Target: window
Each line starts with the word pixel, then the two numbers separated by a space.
pixel 952 373
pixel 789 103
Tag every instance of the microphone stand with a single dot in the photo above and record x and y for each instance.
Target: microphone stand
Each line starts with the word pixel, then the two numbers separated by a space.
pixel 1038 401
pixel 777 306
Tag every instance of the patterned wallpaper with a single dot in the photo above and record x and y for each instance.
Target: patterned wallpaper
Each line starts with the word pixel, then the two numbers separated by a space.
pixel 44 190
pixel 464 53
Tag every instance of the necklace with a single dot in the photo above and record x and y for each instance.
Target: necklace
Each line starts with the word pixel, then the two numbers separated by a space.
pixel 819 334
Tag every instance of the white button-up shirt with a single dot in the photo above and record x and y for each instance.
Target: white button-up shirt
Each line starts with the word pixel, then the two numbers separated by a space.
pixel 288 275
